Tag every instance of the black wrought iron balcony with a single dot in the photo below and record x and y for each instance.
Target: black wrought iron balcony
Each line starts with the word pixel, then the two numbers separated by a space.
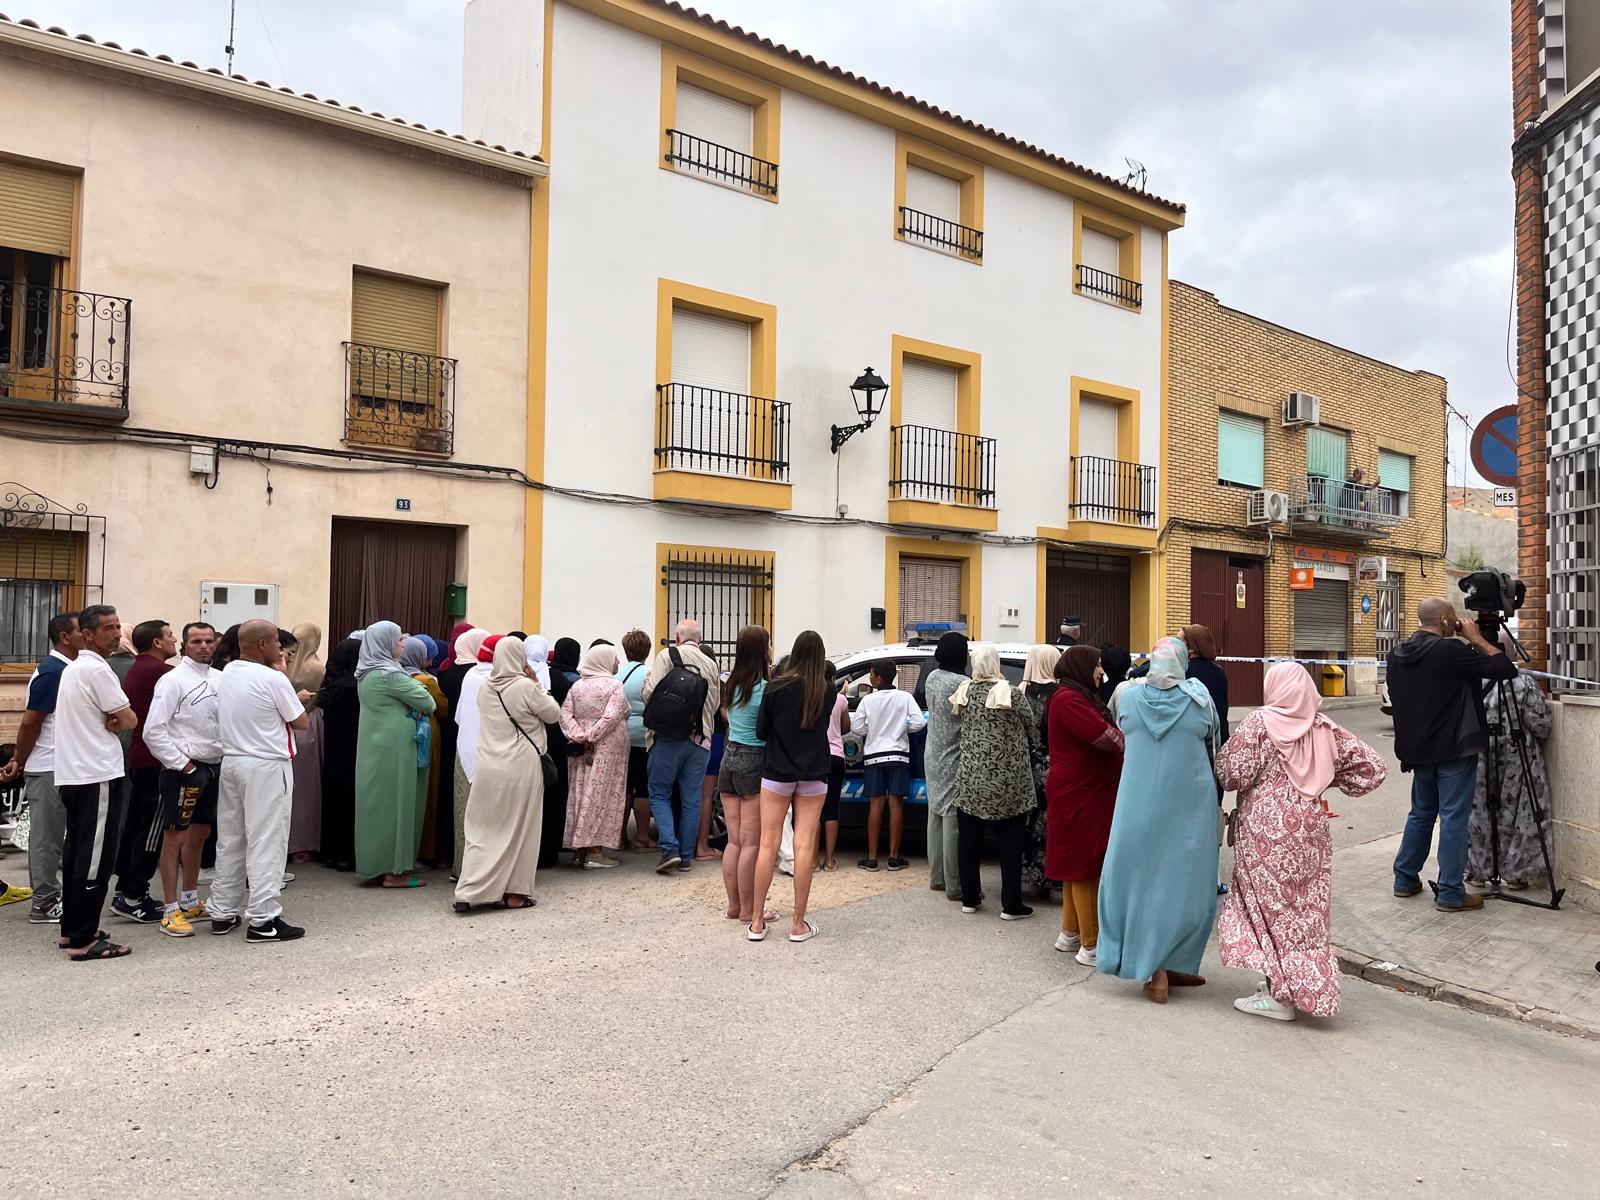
pixel 1104 284
pixel 399 399
pixel 941 234
pixel 1343 507
pixel 697 156
pixel 1113 492
pixel 60 347
pixel 721 433
pixel 941 466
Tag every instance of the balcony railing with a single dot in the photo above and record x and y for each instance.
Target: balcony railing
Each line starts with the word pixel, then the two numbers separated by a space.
pixel 399 399
pixel 721 433
pixel 1111 287
pixel 941 234
pixel 941 466
pixel 60 346
pixel 1114 492
pixel 1356 510
pixel 697 156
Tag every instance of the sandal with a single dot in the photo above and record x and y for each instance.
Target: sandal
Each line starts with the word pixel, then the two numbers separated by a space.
pixel 1184 979
pixel 412 882
pixel 527 902
pixel 461 907
pixel 811 932
pixel 100 936
pixel 101 949
pixel 751 935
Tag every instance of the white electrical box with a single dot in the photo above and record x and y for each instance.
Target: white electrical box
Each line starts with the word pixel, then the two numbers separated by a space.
pixel 1010 616
pixel 202 460
pixel 225 603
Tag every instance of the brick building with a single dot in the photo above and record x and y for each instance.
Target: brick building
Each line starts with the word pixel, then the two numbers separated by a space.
pixel 1304 494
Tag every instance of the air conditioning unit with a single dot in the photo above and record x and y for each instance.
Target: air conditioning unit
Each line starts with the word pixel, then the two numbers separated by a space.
pixel 1267 508
pixel 1302 408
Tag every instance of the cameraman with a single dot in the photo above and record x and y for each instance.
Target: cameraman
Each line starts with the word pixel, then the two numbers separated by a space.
pixel 1436 683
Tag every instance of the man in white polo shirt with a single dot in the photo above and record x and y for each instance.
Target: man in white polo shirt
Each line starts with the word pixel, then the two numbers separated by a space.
pixel 256 710
pixel 91 709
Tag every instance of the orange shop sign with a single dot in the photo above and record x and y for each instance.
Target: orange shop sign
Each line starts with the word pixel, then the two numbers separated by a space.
pixel 1316 554
pixel 1302 579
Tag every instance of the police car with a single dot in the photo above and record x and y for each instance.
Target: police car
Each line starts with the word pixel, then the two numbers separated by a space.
pixel 913 660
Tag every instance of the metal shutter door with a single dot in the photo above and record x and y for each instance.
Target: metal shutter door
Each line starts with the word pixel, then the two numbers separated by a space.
pixel 928 394
pixel 930 590
pixel 1320 617
pixel 710 352
pixel 932 193
pixel 394 313
pixel 1241 449
pixel 1101 251
pixel 705 114
pixel 36 209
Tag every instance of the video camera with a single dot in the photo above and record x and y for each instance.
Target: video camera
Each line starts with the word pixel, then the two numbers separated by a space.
pixel 1492 596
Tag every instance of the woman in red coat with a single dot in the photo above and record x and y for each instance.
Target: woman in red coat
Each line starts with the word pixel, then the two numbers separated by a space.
pixel 1081 790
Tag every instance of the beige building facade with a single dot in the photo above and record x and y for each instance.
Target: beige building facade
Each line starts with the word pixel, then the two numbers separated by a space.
pixel 1305 492
pixel 259 353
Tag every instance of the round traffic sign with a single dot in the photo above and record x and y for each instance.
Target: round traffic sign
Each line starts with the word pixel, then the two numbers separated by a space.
pixel 1494 446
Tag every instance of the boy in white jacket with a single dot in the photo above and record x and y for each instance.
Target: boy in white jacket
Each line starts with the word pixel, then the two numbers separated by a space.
pixel 886 719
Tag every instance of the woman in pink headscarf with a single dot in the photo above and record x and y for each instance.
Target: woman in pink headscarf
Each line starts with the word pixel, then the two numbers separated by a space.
pixel 1277 917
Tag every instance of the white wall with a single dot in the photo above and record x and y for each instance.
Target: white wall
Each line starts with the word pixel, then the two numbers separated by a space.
pixel 826 257
pixel 504 42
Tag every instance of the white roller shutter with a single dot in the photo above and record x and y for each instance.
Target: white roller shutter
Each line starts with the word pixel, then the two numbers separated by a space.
pixel 705 114
pixel 928 394
pixel 1097 429
pixel 1101 251
pixel 1321 617
pixel 932 193
pixel 710 352
pixel 930 590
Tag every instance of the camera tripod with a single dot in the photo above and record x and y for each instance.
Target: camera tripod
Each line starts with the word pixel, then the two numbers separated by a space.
pixel 1510 718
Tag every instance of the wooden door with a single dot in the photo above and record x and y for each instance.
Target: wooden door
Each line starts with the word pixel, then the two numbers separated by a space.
pixel 1229 597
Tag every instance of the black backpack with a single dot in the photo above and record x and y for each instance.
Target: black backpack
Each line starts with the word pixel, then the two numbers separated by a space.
pixel 677 703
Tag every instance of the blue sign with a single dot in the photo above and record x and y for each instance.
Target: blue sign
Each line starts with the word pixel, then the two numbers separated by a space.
pixel 1494 446
pixel 1366 604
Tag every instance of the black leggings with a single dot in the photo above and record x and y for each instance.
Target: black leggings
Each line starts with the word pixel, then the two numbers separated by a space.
pixel 969 855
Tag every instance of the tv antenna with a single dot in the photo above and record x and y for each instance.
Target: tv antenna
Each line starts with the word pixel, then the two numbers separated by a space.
pixel 228 49
pixel 1137 174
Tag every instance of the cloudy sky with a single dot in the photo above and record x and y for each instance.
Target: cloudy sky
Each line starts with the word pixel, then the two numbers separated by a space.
pixel 1346 166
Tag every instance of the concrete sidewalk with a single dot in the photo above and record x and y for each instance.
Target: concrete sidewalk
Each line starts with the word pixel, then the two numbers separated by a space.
pixel 1524 963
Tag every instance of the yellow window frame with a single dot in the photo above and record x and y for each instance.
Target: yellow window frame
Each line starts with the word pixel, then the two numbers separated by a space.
pixel 764 98
pixel 909 151
pixel 1128 235
pixel 759 559
pixel 968 554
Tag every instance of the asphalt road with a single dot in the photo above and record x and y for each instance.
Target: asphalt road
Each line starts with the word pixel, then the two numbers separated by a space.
pixel 623 1039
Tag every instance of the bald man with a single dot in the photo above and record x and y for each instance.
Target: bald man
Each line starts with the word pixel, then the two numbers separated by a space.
pixel 257 714
pixel 1437 678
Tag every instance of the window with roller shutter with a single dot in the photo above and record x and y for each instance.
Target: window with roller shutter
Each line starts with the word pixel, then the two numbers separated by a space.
pixel 938 200
pixel 930 590
pixel 401 389
pixel 720 126
pixel 708 409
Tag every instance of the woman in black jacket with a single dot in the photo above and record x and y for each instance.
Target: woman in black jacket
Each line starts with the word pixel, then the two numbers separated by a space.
pixel 341 720
pixel 793 722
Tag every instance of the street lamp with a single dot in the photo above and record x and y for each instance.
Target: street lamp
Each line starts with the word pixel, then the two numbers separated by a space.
pixel 868 392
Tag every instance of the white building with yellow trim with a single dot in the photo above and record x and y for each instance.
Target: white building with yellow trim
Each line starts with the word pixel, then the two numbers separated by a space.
pixel 733 233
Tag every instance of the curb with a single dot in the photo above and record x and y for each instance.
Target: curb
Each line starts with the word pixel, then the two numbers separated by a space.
pixel 1388 974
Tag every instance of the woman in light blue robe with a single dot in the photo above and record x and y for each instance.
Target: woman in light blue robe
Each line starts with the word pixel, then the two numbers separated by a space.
pixel 1158 891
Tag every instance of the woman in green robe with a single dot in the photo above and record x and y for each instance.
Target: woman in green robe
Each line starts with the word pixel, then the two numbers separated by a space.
pixel 391 774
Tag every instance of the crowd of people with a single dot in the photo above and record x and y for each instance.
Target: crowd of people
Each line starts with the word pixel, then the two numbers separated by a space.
pixel 489 754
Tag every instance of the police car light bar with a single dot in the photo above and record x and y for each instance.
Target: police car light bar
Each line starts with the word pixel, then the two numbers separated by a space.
pixel 920 631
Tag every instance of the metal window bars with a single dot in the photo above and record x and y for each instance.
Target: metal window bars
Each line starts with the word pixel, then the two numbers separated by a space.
pixel 697 156
pixel 399 399
pixel 942 234
pixel 52 560
pixel 721 432
pixel 723 590
pixel 63 346
pixel 1112 287
pixel 942 466
pixel 1114 492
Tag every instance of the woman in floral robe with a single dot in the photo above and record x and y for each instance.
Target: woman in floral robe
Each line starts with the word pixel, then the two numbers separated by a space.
pixel 1276 918
pixel 1521 852
pixel 594 714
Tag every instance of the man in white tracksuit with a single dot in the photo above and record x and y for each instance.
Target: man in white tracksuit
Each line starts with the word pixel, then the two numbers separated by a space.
pixel 257 712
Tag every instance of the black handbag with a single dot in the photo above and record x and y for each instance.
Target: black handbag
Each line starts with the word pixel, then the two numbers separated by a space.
pixel 552 772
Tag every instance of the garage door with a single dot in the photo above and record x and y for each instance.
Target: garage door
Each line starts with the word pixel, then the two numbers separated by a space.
pixel 1321 617
pixel 1092 587
pixel 930 590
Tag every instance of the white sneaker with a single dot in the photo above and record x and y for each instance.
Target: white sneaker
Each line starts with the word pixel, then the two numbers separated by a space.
pixel 1067 942
pixel 288 878
pixel 1087 956
pixel 1261 1004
